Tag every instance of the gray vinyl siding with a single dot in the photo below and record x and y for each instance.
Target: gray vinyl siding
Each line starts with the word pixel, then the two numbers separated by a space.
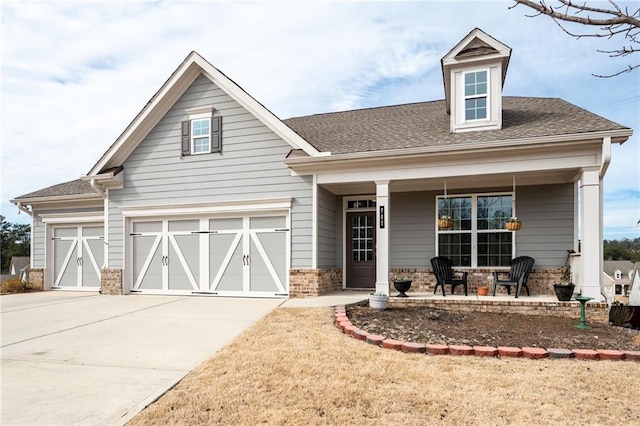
pixel 39 232
pixel 411 229
pixel 327 207
pixel 39 242
pixel 547 215
pixel 546 212
pixel 250 166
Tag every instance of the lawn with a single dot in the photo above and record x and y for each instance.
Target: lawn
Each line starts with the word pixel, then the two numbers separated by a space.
pixel 295 367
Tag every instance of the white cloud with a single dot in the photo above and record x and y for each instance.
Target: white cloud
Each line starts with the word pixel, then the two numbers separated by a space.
pixel 74 74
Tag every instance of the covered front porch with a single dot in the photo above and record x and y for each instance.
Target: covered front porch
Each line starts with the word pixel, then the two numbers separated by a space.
pixel 378 221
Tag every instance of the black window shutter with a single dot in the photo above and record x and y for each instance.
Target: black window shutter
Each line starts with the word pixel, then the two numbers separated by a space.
pixel 216 134
pixel 186 138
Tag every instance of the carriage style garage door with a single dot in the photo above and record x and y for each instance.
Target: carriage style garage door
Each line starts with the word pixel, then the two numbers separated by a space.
pixel 234 256
pixel 78 254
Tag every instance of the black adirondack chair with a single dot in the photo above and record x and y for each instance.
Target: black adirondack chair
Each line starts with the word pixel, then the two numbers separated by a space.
pixel 518 274
pixel 443 271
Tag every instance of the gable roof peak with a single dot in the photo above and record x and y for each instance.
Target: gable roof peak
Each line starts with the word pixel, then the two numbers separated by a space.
pixel 177 83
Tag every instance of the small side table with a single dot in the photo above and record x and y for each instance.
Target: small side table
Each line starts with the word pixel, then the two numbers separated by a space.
pixel 583 320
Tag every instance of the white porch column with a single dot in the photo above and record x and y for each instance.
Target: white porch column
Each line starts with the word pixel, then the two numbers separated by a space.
pixel 382 237
pixel 591 236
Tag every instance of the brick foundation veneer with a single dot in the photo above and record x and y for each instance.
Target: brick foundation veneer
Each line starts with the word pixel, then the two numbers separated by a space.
pixel 540 281
pixel 111 281
pixel 595 312
pixel 314 282
pixel 36 278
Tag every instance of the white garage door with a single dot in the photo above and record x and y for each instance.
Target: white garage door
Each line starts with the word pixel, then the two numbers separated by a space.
pixel 78 254
pixel 237 256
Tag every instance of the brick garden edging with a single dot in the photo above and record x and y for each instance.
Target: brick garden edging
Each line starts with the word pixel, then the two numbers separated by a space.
pixel 344 324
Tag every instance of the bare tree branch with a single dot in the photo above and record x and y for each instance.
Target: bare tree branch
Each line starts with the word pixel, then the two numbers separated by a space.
pixel 604 23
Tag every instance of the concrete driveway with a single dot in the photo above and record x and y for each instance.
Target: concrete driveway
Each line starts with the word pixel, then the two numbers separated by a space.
pixel 82 358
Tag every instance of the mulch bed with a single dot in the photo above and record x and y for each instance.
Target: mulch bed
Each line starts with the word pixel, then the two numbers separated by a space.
pixel 450 327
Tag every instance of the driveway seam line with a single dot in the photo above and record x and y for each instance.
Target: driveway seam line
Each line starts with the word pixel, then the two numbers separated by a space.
pixel 50 304
pixel 90 323
pixel 45 361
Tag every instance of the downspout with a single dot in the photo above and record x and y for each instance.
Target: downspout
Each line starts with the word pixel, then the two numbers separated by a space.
pixel 606 156
pixel 23 208
pixel 97 187
pixel 606 159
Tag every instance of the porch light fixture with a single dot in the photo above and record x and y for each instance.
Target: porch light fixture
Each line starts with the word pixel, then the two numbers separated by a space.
pixel 513 223
pixel 445 221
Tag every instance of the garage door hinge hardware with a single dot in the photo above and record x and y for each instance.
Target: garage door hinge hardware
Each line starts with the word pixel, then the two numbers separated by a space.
pixel 165 260
pixel 135 234
pixel 204 232
pixel 282 230
pixel 245 259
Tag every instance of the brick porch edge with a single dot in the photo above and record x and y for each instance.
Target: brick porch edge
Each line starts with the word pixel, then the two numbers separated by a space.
pixel 344 324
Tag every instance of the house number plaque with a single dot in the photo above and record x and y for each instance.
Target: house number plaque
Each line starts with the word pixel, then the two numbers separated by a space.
pixel 381 217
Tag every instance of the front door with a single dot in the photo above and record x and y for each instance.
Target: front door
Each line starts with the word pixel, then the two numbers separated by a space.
pixel 360 246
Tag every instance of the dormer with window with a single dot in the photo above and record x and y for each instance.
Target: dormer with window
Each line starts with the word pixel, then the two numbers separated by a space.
pixel 474 72
pixel 618 274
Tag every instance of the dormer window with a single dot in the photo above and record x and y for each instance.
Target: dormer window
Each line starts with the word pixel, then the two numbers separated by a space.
pixel 618 274
pixel 475 95
pixel 474 72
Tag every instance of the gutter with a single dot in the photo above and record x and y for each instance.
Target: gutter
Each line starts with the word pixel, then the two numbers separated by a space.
pixel 616 136
pixel 96 187
pixel 23 208
pixel 606 155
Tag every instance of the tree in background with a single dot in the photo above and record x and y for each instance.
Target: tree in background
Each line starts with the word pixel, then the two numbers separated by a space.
pixel 622 249
pixel 603 22
pixel 15 240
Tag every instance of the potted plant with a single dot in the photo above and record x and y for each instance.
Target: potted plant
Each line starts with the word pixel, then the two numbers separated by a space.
pixel 483 290
pixel 564 290
pixel 378 300
pixel 445 222
pixel 513 224
pixel 402 285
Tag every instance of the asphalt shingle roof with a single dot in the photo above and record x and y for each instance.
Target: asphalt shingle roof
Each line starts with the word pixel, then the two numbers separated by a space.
pixel 426 124
pixel 74 187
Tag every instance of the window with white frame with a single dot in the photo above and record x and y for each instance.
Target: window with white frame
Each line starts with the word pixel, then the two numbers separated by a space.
pixel 478 237
pixel 201 136
pixel 475 95
pixel 202 132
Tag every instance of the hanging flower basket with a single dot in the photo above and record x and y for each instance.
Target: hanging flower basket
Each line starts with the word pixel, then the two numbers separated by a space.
pixel 513 224
pixel 445 222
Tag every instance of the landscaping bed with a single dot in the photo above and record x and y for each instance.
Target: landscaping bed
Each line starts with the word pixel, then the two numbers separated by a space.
pixel 450 327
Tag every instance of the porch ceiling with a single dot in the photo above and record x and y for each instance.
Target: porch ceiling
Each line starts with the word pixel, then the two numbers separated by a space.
pixel 458 183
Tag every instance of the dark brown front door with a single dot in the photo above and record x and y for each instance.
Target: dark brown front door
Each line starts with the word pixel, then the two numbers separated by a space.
pixel 361 250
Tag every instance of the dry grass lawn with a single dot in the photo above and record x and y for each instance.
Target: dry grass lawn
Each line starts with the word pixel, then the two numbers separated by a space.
pixel 295 367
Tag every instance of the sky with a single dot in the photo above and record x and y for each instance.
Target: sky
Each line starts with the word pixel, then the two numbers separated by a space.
pixel 75 74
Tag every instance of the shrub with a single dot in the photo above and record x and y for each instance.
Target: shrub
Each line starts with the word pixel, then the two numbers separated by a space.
pixel 16 285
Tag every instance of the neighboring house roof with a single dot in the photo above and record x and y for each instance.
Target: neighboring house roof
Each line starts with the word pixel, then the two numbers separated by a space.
pixel 611 266
pixel 426 124
pixel 18 263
